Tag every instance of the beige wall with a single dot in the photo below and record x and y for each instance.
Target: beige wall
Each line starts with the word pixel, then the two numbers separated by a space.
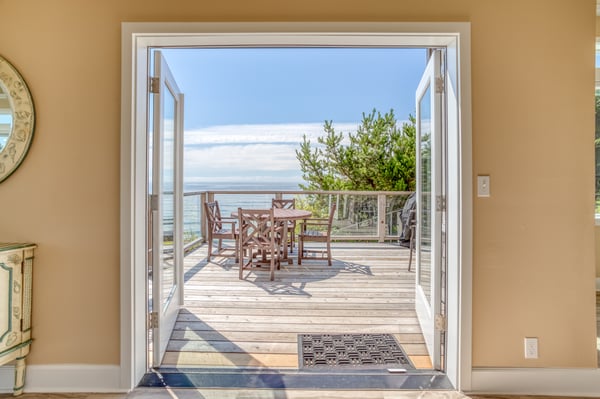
pixel 532 73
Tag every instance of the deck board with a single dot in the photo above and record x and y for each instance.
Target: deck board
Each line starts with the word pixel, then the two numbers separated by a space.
pixel 227 322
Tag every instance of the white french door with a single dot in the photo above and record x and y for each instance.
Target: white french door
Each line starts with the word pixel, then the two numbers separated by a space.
pixel 165 204
pixel 430 205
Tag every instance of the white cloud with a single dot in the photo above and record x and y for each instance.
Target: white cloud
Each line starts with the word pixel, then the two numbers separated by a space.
pixel 241 158
pixel 266 133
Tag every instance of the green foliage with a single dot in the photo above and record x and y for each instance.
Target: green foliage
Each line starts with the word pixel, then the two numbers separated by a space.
pixel 380 157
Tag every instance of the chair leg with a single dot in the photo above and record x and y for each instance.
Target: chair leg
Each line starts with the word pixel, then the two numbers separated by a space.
pixel 328 252
pixel 300 250
pixel 241 262
pixel 209 249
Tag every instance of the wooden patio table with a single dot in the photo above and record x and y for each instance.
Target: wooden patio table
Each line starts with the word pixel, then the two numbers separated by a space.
pixel 284 216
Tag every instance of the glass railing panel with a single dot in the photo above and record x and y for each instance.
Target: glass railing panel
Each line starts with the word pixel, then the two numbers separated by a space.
pixel 393 210
pixel 192 219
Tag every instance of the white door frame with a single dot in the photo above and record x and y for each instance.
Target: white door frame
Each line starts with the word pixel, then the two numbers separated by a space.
pixel 137 38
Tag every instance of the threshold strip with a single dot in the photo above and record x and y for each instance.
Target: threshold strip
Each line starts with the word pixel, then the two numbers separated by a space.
pixel 282 379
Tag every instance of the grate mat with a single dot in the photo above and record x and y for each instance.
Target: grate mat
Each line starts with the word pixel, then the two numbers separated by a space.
pixel 351 350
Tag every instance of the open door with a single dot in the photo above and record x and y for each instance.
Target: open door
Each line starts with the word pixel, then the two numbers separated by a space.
pixel 165 206
pixel 430 206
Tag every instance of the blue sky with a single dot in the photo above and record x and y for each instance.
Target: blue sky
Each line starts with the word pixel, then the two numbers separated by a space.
pixel 243 103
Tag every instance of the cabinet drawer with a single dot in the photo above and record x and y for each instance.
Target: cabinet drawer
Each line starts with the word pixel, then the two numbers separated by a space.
pixel 11 283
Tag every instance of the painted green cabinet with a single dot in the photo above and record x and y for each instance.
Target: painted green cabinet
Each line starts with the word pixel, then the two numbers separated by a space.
pixel 16 263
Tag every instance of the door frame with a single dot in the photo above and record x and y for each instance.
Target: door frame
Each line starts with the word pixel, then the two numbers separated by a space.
pixel 138 38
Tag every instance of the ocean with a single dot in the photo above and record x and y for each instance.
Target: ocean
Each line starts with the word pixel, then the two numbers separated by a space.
pixel 240 186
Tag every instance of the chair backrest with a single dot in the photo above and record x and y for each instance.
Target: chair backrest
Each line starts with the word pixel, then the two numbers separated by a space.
pixel 213 216
pixel 330 220
pixel 256 226
pixel 283 203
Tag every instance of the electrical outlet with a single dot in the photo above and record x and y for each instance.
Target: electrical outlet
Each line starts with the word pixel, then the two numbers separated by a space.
pixel 531 348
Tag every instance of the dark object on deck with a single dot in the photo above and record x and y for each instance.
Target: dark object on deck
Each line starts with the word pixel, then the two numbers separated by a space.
pixel 405 219
pixel 408 219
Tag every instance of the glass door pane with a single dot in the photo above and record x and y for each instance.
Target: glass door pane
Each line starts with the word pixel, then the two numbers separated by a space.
pixel 166 204
pixel 424 181
pixel 168 199
pixel 429 193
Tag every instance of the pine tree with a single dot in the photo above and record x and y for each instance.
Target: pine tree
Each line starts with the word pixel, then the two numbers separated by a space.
pixel 380 156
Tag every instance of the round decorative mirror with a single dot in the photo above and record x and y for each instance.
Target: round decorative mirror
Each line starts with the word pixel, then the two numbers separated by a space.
pixel 16 119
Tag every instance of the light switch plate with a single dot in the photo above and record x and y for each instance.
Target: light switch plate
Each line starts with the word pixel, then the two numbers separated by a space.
pixel 483 186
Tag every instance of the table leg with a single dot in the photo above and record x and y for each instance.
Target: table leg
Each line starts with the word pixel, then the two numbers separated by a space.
pixel 285 247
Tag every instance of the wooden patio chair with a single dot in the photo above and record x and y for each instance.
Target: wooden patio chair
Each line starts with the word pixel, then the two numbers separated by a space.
pixel 258 239
pixel 291 228
pixel 220 228
pixel 316 230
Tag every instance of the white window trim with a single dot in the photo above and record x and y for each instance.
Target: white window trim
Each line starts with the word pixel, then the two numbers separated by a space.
pixel 138 37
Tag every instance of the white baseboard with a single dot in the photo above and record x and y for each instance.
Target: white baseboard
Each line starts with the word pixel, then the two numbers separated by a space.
pixel 65 378
pixel 7 379
pixel 536 381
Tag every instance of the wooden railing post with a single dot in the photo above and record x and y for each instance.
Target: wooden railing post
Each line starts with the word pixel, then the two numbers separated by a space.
pixel 381 226
pixel 203 232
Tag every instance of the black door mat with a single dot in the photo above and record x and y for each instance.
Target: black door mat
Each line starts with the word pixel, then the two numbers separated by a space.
pixel 351 351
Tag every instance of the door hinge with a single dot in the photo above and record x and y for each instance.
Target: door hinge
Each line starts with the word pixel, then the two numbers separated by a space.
pixel 440 322
pixel 153 202
pixel 153 320
pixel 439 85
pixel 154 85
pixel 440 203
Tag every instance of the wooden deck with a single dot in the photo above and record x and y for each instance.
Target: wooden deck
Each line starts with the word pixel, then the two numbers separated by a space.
pixel 227 322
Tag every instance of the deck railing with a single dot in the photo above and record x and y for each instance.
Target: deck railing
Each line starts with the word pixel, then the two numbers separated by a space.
pixel 360 215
